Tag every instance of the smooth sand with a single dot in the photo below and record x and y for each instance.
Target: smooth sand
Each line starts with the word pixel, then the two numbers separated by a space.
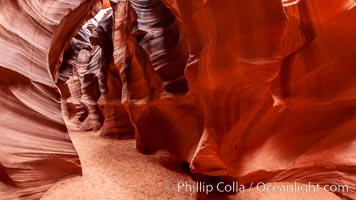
pixel 114 169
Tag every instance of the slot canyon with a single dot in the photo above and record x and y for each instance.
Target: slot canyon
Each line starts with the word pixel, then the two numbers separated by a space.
pixel 178 99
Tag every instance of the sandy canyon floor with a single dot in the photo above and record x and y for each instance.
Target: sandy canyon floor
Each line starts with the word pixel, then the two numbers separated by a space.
pixel 114 169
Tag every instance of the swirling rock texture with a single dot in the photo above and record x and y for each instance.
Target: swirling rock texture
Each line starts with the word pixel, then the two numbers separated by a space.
pixel 276 81
pixel 247 90
pixel 79 74
pixel 35 150
pixel 271 84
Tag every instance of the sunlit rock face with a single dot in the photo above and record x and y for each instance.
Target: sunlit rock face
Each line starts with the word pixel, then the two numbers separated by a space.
pixel 276 86
pixel 35 150
pixel 271 90
pixel 258 91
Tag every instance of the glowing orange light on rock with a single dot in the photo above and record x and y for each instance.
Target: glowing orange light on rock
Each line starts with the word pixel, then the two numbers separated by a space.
pixel 106 4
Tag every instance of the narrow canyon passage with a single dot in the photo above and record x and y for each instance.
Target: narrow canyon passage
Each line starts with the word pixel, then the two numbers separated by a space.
pixel 129 175
pixel 258 92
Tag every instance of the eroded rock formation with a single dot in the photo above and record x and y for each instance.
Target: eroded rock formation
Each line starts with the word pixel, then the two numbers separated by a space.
pixel 254 91
pixel 276 108
pixel 267 92
pixel 35 150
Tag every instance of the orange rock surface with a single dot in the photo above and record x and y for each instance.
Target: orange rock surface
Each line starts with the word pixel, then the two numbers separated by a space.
pixel 35 149
pixel 250 90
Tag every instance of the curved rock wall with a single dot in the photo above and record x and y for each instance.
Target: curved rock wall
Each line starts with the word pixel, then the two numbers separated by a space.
pixel 266 99
pixel 35 150
pixel 161 39
pixel 271 88
pixel 276 81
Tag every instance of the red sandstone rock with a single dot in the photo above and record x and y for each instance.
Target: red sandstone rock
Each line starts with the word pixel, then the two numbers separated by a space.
pixel 277 87
pixel 35 150
pixel 271 87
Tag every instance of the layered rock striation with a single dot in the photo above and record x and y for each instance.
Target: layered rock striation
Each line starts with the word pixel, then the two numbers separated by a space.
pixel 35 149
pixel 250 91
